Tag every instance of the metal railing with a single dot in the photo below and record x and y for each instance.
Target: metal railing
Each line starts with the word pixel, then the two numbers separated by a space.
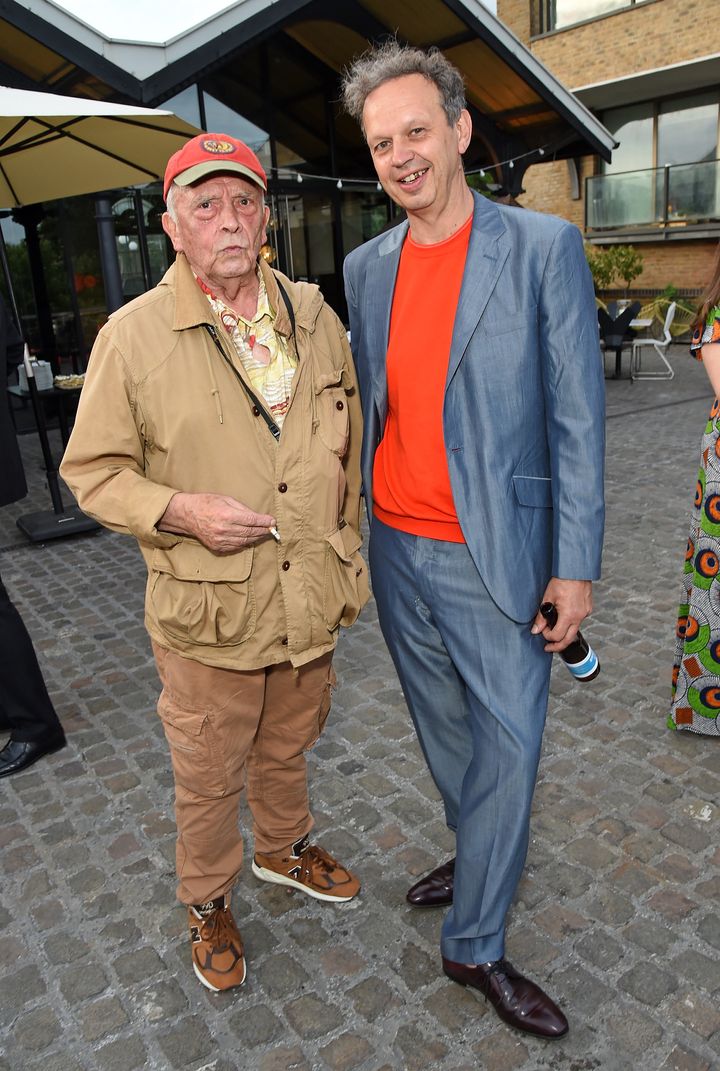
pixel 657 197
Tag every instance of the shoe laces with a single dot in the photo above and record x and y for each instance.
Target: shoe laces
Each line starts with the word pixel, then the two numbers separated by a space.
pixel 314 856
pixel 220 931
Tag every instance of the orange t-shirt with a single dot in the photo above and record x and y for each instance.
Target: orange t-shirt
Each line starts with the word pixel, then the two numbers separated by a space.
pixel 411 482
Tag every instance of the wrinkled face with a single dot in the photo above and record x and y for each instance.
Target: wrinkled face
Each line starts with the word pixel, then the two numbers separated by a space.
pixel 219 226
pixel 416 153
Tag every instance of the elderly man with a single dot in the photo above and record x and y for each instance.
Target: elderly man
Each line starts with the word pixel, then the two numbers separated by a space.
pixel 220 425
pixel 475 336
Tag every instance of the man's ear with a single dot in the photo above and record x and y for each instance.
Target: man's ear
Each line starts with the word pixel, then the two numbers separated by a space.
pixel 464 129
pixel 171 229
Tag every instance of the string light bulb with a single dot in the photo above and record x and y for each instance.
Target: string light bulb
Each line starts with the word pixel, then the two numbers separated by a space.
pixel 339 184
pixel 299 177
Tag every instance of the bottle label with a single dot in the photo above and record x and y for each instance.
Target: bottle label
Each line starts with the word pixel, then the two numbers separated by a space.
pixel 586 668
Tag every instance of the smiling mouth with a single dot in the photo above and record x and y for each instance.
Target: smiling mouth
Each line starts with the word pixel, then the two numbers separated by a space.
pixel 413 176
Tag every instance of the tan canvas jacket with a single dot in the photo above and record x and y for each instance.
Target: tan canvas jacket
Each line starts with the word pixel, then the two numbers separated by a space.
pixel 161 412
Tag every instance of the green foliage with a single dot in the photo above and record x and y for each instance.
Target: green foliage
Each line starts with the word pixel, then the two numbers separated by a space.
pixel 628 263
pixel 600 265
pixel 610 262
pixel 484 184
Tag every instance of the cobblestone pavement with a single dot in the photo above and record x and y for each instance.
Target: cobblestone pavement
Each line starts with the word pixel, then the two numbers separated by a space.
pixel 617 913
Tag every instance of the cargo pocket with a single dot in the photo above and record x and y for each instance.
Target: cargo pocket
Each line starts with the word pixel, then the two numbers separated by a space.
pixel 345 585
pixel 202 598
pixel 325 704
pixel 194 748
pixel 332 411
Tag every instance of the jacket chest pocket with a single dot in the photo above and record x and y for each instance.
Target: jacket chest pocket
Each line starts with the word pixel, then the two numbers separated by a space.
pixel 201 598
pixel 332 411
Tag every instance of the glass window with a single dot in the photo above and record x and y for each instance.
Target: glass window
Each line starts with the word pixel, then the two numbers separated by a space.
pixel 561 13
pixel 363 216
pixel 185 105
pixel 632 127
pixel 224 120
pixel 688 130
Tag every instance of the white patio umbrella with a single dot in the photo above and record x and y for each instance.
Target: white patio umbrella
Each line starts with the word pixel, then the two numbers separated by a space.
pixel 53 146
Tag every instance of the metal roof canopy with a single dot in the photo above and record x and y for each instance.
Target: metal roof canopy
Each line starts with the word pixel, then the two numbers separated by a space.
pixel 517 104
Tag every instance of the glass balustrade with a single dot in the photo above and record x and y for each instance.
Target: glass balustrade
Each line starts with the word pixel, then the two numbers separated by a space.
pixel 681 193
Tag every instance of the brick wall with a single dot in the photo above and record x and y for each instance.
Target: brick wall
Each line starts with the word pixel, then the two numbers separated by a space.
pixel 653 34
pixel 687 265
pixel 516 16
pixel 548 189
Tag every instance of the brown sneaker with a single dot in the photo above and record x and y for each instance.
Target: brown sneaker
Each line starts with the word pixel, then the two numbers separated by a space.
pixel 217 948
pixel 310 869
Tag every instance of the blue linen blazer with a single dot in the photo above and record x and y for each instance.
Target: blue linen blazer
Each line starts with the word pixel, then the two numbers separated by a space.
pixel 524 406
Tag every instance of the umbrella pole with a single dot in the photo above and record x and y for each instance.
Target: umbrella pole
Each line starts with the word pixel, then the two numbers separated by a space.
pixel 44 525
pixel 50 467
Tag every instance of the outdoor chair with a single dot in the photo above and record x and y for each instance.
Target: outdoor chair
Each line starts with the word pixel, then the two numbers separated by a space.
pixel 660 346
pixel 615 332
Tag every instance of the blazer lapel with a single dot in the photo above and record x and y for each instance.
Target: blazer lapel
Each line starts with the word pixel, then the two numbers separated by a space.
pixel 488 250
pixel 380 287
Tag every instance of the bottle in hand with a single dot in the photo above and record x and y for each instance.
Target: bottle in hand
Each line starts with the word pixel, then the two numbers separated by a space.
pixel 578 656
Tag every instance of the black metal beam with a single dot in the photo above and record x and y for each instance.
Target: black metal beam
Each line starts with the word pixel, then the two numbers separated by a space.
pixel 70 49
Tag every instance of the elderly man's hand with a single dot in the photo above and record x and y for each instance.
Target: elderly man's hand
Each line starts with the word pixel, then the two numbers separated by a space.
pixel 220 523
pixel 573 601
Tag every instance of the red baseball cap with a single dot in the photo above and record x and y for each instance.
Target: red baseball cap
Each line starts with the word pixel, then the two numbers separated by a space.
pixel 207 153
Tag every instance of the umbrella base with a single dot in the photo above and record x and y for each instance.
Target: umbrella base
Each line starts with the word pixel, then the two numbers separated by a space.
pixel 46 524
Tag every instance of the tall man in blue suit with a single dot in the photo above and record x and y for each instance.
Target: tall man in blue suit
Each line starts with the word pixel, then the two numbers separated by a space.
pixel 474 333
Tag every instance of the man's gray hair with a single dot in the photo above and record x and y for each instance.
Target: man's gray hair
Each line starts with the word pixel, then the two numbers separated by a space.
pixel 392 60
pixel 170 202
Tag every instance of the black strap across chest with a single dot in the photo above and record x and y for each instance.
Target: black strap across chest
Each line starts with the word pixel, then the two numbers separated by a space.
pixel 256 402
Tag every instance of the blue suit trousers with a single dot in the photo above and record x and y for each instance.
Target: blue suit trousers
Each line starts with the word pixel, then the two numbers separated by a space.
pixel 476 684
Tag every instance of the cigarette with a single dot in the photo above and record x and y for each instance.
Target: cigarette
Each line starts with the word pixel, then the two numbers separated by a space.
pixel 274 533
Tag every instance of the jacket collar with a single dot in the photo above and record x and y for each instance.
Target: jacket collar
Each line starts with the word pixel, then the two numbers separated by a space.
pixel 192 309
pixel 488 250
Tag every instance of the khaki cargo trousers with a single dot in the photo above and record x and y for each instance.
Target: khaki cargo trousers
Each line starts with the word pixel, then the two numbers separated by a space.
pixel 228 726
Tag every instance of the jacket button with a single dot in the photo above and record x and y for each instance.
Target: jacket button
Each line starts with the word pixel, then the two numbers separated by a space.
pixel 255 411
pixel 286 565
pixel 283 641
pixel 339 405
pixel 282 488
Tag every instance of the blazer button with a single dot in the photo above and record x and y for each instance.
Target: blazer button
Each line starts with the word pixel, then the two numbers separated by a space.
pixel 282 488
pixel 286 565
pixel 339 405
pixel 283 641
pixel 255 411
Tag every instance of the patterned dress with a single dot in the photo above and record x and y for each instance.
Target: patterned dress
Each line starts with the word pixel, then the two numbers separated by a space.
pixel 696 673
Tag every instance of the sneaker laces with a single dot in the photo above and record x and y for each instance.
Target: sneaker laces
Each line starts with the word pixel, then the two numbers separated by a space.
pixel 220 931
pixel 313 856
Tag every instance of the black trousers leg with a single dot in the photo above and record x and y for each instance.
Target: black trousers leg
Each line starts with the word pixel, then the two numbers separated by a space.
pixel 25 706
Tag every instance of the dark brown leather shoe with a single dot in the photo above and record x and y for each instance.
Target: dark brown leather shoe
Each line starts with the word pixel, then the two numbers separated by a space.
pixel 435 889
pixel 517 1000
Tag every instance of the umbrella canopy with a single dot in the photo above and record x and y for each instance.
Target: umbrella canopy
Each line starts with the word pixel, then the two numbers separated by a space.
pixel 52 146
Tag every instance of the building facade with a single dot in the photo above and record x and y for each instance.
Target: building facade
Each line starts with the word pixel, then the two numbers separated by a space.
pixel 269 73
pixel 650 71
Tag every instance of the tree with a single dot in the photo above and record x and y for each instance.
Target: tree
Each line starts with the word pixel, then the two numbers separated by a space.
pixel 628 264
